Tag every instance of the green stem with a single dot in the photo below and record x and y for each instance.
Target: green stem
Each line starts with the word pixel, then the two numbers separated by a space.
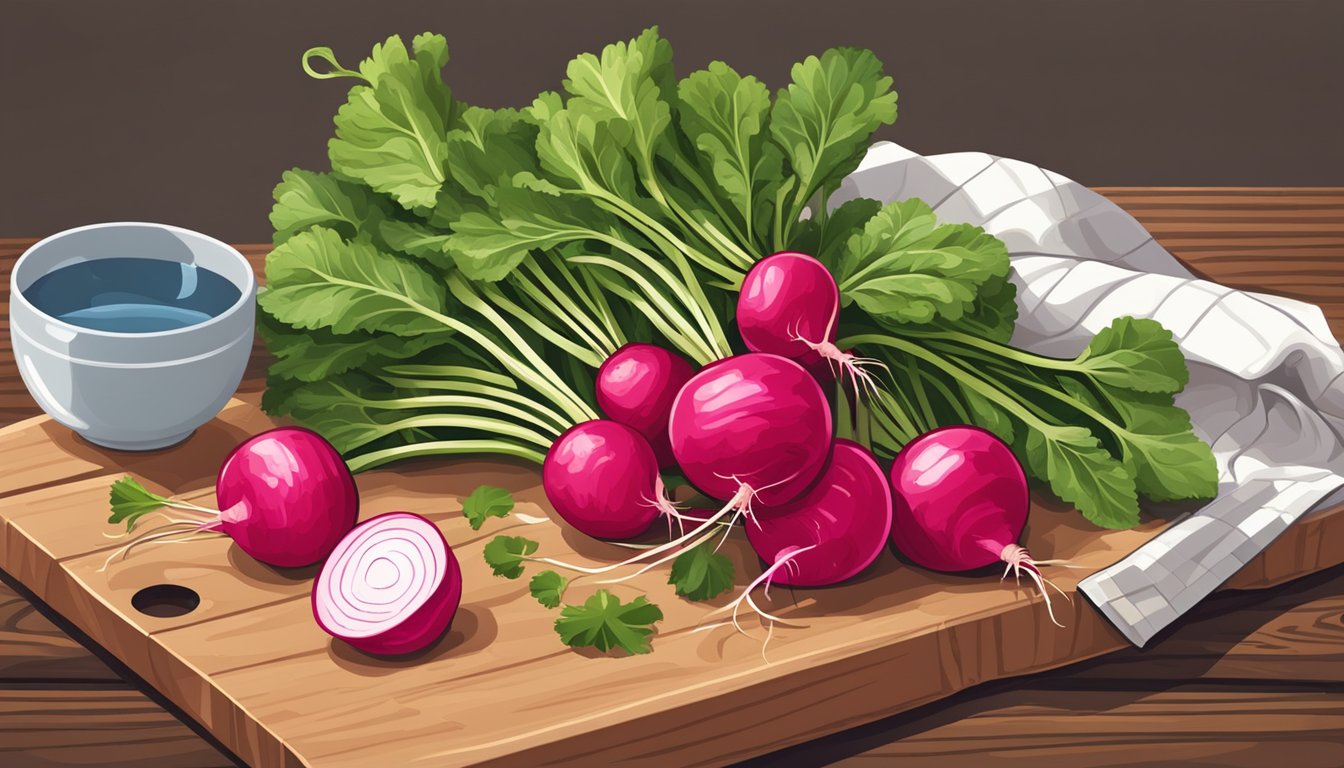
pixel 555 421
pixel 472 375
pixel 537 374
pixel 441 448
pixel 921 397
pixel 529 318
pixel 953 401
pixel 696 179
pixel 966 378
pixel 691 346
pixel 589 316
pixel 996 349
pixel 656 231
pixel 695 303
pixel 704 230
pixel 700 351
pixel 482 403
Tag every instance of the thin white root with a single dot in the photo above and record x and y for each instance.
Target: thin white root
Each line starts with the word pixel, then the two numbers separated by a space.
pixel 649 566
pixel 863 381
pixel 743 496
pixel 764 578
pixel 164 515
pixel 529 519
pixel 190 530
pixel 1019 561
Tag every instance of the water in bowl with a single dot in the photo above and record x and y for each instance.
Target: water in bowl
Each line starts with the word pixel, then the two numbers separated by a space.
pixel 130 295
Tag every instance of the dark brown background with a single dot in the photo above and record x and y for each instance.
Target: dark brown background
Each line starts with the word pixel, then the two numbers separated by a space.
pixel 187 112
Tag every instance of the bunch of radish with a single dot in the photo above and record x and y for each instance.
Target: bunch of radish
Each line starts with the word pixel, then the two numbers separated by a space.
pixel 754 431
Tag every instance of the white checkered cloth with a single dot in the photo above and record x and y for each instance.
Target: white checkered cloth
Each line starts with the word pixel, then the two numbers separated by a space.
pixel 1265 372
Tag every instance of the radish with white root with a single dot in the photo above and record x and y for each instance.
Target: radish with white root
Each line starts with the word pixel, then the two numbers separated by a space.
pixel 844 521
pixel 601 476
pixel 286 498
pixel 961 503
pixel 636 386
pixel 789 305
pixel 754 427
pixel 390 587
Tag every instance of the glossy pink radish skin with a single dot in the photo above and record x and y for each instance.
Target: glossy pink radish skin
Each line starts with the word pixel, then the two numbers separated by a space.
pixel 390 587
pixel 961 499
pixel 602 478
pixel 286 497
pixel 835 530
pixel 787 300
pixel 751 427
pixel 636 386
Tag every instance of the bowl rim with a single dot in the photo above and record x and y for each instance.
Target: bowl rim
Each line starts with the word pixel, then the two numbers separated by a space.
pixel 245 295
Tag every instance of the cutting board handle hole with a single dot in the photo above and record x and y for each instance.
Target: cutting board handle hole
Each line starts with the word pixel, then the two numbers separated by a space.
pixel 165 601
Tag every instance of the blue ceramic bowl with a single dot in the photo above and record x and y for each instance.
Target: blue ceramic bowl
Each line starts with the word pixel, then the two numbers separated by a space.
pixel 132 391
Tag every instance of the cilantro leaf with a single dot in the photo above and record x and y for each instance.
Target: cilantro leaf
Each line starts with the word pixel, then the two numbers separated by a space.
pixel 391 133
pixel 1137 354
pixel 824 119
pixel 505 555
pixel 548 587
pixel 700 574
pixel 904 267
pixel 130 501
pixel 317 280
pixel 602 622
pixel 485 502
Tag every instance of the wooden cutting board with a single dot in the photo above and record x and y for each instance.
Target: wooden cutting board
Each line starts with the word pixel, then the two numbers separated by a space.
pixel 252 667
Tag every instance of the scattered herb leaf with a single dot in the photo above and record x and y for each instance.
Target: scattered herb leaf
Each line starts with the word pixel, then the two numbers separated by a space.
pixel 602 622
pixel 506 554
pixel 485 502
pixel 700 573
pixel 548 587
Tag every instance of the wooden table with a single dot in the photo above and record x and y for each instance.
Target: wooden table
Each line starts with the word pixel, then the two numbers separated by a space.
pixel 1244 678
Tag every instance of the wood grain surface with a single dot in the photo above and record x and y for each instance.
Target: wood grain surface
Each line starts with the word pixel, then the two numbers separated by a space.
pixel 1265 218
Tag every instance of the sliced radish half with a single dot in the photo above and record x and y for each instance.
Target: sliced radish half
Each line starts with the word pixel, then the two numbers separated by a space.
pixel 390 587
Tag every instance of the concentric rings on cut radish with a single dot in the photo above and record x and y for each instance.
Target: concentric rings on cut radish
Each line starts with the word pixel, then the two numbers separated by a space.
pixel 390 587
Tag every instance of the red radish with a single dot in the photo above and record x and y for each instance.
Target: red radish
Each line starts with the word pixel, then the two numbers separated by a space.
pixel 789 305
pixel 843 522
pixel 286 497
pixel 961 502
pixel 751 427
pixel 390 587
pixel 602 477
pixel 636 386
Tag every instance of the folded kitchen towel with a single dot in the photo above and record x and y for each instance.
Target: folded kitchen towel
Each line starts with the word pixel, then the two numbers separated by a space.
pixel 1265 372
